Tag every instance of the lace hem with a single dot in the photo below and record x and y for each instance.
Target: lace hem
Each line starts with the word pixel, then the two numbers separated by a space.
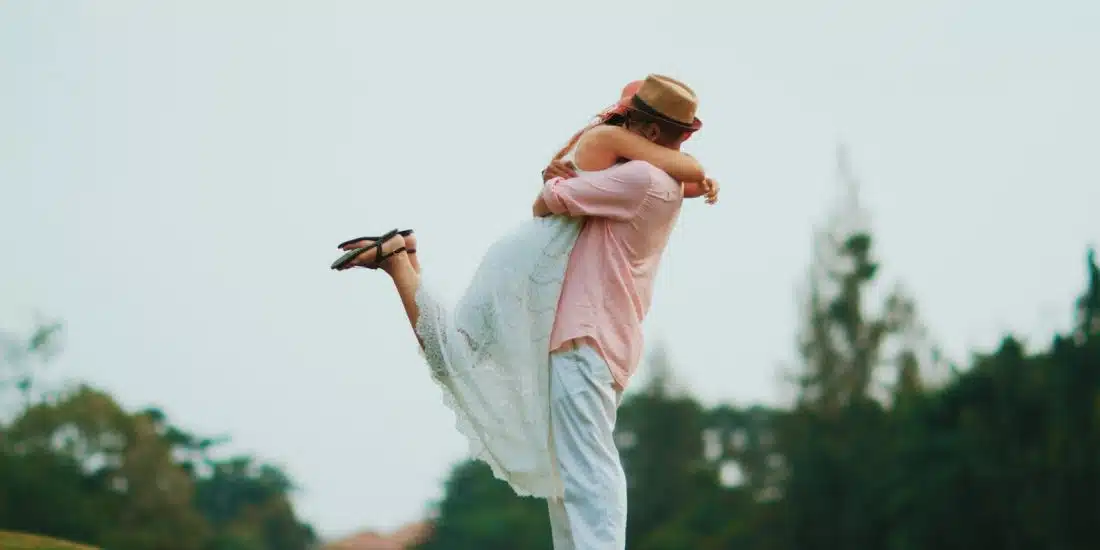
pixel 522 485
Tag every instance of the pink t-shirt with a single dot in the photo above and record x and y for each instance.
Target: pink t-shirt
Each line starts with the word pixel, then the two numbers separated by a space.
pixel 630 210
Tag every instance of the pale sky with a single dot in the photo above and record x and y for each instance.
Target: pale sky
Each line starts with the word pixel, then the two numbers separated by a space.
pixel 174 177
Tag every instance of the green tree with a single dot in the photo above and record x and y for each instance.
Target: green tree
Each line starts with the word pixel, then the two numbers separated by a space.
pixel 22 357
pixel 76 465
pixel 149 494
pixel 247 505
pixel 49 493
pixel 843 342
pixel 660 436
pixel 1088 306
pixel 479 512
pixel 1003 456
pixel 838 433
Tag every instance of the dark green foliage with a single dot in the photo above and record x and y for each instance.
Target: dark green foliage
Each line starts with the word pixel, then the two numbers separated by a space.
pixel 481 513
pixel 78 467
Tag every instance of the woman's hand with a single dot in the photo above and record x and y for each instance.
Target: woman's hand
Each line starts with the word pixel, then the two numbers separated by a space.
pixel 559 169
pixel 708 188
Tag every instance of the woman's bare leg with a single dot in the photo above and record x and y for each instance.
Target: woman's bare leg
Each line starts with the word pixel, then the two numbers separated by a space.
pixel 399 267
pixel 414 257
pixel 406 279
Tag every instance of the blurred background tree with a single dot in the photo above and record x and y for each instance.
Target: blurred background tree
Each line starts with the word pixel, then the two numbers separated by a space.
pixel 75 465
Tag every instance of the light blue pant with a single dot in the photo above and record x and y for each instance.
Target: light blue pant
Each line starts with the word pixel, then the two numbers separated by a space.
pixel 583 403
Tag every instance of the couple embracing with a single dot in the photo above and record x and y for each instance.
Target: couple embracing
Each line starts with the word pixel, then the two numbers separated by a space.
pixel 534 358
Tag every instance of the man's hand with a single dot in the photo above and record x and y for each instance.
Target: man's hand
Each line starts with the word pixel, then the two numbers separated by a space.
pixel 559 169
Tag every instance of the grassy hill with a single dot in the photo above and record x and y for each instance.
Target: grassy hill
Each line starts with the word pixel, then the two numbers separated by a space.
pixel 20 541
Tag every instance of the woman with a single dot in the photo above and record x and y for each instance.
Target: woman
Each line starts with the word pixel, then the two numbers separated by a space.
pixel 490 354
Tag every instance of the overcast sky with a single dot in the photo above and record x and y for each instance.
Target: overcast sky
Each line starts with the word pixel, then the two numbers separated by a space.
pixel 174 177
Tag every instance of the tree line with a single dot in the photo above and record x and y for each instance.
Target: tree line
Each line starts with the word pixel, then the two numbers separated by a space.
pixel 75 465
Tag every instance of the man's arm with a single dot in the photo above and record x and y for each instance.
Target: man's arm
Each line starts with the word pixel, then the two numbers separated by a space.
pixel 616 193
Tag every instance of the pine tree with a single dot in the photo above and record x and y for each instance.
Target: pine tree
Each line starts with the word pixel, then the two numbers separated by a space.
pixel 842 344
pixel 839 431
pixel 660 433
pixel 1088 306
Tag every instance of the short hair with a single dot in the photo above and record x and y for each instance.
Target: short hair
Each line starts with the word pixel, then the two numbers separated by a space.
pixel 669 132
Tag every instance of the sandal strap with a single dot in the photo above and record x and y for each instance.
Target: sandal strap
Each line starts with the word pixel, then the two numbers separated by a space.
pixel 403 233
pixel 382 259
pixel 379 255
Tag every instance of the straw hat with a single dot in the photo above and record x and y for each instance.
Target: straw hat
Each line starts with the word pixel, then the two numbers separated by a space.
pixel 668 100
pixel 661 98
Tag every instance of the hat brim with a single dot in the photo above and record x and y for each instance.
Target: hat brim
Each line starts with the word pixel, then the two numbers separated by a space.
pixel 637 104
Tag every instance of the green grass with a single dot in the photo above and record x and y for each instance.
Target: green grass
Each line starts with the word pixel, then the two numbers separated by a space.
pixel 21 541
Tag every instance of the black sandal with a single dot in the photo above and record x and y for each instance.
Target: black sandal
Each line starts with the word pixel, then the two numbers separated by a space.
pixel 376 239
pixel 344 260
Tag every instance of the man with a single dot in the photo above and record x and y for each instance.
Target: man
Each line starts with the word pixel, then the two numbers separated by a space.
pixel 596 343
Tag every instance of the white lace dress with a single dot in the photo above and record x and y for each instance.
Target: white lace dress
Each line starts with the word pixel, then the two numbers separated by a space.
pixel 490 354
